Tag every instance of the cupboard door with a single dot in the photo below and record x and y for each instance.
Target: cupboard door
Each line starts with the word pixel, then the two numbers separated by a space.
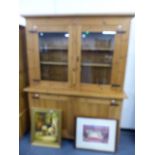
pixel 49 52
pixel 101 54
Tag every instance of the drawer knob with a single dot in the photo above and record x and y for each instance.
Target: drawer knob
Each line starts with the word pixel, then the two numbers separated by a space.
pixel 114 103
pixel 36 96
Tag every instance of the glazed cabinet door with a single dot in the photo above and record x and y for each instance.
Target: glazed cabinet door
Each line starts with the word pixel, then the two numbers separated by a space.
pixel 49 52
pixel 101 55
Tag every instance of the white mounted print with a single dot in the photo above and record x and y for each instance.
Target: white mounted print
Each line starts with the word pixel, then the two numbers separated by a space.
pixel 96 134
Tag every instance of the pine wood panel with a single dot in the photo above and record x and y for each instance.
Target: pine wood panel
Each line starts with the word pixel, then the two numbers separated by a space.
pixel 23 122
pixel 22 102
pixel 51 21
pixel 22 69
pixel 70 56
pixel 78 72
pixel 119 59
pixel 32 56
pixel 23 82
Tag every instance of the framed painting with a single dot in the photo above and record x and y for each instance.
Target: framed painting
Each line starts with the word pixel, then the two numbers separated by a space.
pixel 96 134
pixel 46 127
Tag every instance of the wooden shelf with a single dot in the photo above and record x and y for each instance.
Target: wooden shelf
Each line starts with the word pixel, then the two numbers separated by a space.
pixel 53 49
pixel 53 63
pixel 98 49
pixel 95 65
pixel 85 49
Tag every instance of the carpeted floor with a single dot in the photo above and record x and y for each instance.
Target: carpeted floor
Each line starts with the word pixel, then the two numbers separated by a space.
pixel 126 147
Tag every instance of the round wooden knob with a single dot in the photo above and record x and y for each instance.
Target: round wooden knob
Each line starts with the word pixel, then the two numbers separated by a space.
pixel 113 102
pixel 36 95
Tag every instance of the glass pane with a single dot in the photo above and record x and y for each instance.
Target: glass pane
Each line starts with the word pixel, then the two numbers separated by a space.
pixel 97 53
pixel 54 56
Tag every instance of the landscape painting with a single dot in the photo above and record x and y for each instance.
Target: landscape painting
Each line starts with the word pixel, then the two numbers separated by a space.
pixel 98 134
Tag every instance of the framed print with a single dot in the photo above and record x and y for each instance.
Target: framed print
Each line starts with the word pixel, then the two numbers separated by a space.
pixel 96 134
pixel 46 127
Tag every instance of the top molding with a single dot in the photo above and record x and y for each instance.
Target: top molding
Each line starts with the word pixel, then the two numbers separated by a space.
pixel 81 15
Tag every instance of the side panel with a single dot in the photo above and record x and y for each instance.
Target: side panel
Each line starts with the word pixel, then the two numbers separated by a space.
pixel 23 82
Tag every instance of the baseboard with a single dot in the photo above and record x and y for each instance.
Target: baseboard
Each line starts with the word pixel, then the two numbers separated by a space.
pixel 124 129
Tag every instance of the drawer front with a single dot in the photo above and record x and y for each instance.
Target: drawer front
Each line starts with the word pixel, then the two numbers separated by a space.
pixel 99 108
pixel 90 107
pixel 47 101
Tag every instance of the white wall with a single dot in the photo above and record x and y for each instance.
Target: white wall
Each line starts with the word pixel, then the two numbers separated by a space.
pixel 128 113
pixel 93 6
pixel 74 7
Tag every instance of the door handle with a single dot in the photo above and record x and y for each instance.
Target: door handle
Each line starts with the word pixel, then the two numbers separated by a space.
pixel 77 58
pixel 120 29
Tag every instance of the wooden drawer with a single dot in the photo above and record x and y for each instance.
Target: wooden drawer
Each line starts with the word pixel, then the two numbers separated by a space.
pixel 47 101
pixel 99 108
pixel 90 107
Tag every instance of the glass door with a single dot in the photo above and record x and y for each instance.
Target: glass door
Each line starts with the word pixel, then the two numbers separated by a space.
pixel 97 50
pixel 53 51
pixel 50 54
pixel 101 54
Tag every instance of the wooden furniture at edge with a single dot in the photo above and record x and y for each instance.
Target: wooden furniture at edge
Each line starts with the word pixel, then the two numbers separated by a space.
pixel 72 95
pixel 23 82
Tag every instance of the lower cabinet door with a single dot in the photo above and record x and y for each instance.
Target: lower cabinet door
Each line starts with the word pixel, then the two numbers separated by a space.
pixel 86 107
pixel 60 102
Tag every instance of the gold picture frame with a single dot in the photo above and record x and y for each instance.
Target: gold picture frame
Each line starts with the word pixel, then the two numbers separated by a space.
pixel 46 127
